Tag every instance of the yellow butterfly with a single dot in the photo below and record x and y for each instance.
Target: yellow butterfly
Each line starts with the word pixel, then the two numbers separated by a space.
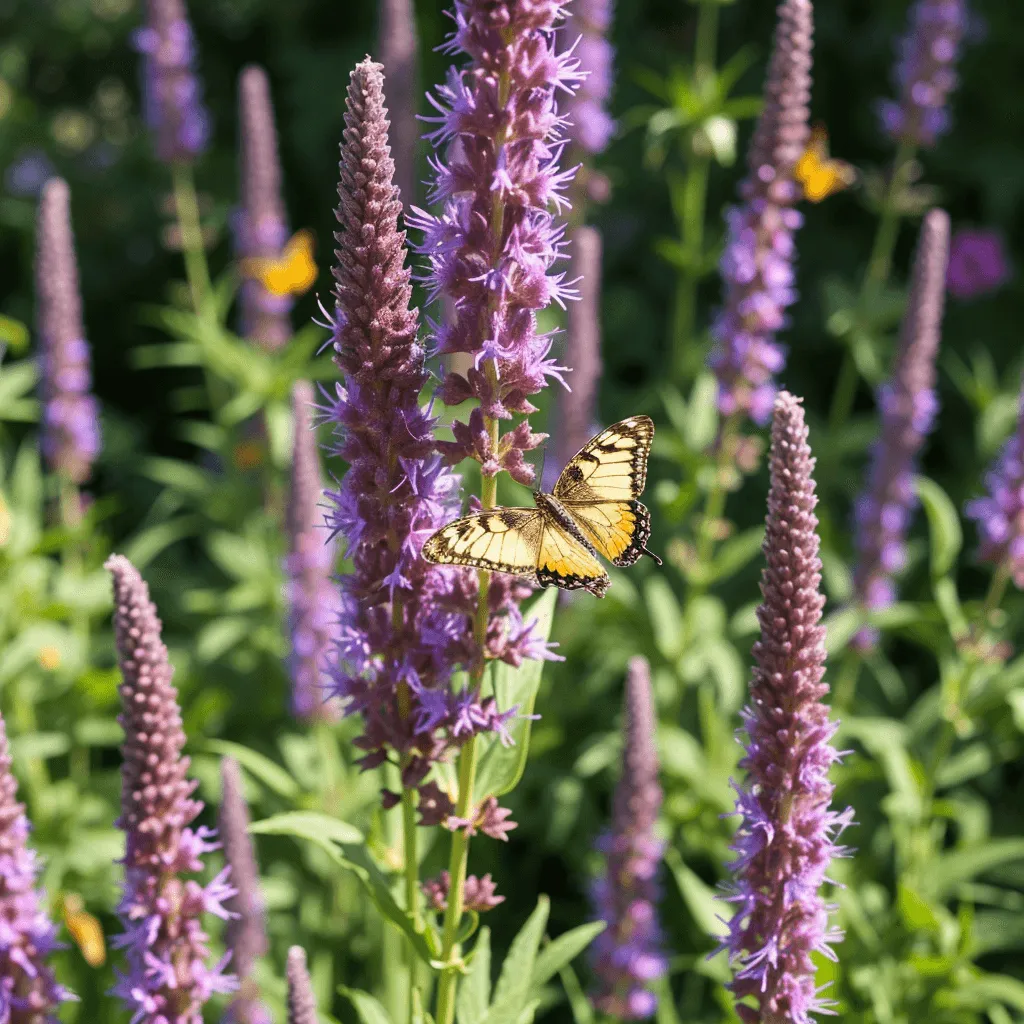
pixel 593 510
pixel 85 930
pixel 820 174
pixel 292 273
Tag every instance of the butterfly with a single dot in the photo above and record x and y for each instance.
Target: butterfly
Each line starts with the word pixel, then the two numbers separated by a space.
pixel 820 174
pixel 85 930
pixel 593 509
pixel 292 273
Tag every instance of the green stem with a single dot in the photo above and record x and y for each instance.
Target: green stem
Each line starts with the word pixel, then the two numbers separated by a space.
pixel 705 46
pixel 410 864
pixel 714 509
pixel 875 277
pixel 846 683
pixel 186 205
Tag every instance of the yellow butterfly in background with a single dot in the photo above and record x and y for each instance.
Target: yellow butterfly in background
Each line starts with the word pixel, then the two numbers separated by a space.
pixel 592 510
pixel 85 930
pixel 294 272
pixel 820 174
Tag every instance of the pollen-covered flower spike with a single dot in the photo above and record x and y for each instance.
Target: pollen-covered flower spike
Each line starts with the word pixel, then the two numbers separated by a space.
pixel 301 1001
pixel 169 976
pixel 907 404
pixel 29 993
pixel 246 933
pixel 627 956
pixel 926 72
pixel 757 263
pixel 173 95
pixel 313 602
pixel 398 45
pixel 70 421
pixel 261 227
pixel 786 838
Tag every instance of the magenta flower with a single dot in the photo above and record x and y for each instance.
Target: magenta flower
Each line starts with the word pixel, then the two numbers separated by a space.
pixel 169 977
pixel 628 955
pixel 70 418
pixel 926 73
pixel 757 263
pixel 908 404
pixel 786 837
pixel 977 263
pixel 29 993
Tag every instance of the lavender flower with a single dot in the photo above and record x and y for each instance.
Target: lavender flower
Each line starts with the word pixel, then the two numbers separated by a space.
pixel 926 73
pixel 169 978
pixel 301 1001
pixel 172 93
pixel 786 838
pixel 398 54
pixel 261 224
pixel 628 955
pixel 590 127
pixel 1000 514
pixel 908 406
pixel 70 425
pixel 246 935
pixel 492 248
pixel 313 603
pixel 404 624
pixel 977 263
pixel 29 993
pixel 757 264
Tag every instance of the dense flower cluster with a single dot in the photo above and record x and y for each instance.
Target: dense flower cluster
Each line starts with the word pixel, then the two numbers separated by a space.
pixel 301 1001
pixel 926 72
pixel 173 95
pixel 29 993
pixel 261 227
pixel 786 838
pixel 70 423
pixel 589 125
pixel 908 404
pixel 493 247
pixel 757 263
pixel 313 601
pixel 169 977
pixel 628 955
pixel 398 53
pixel 977 263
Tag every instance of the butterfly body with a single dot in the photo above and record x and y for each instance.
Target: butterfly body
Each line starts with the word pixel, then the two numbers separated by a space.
pixel 592 511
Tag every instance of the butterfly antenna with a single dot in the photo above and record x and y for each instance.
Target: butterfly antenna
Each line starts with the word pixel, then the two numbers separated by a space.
pixel 657 560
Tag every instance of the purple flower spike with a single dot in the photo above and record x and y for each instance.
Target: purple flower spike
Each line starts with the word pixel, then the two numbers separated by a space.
pixel 908 404
pixel 246 934
pixel 173 94
pixel 70 423
pixel 1000 513
pixel 301 1001
pixel 627 955
pixel 493 247
pixel 169 977
pixel 261 225
pixel 977 263
pixel 757 263
pixel 398 53
pixel 590 126
pixel 29 993
pixel 926 73
pixel 786 838
pixel 313 603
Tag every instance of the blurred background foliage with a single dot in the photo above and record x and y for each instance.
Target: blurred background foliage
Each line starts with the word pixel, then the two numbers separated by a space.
pixel 931 935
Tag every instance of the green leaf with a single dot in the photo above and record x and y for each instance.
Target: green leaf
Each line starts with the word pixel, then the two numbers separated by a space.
pixel 944 525
pixel 216 638
pixel 980 992
pixel 950 869
pixel 666 616
pixel 563 950
pixel 511 994
pixel 312 825
pixel 736 553
pixel 367 1008
pixel 144 547
pixel 501 767
pixel 706 910
pixel 271 774
pixel 475 990
pixel 916 912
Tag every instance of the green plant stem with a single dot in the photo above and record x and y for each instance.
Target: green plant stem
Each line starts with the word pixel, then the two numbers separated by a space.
pixel 846 681
pixel 186 205
pixel 875 277
pixel 714 509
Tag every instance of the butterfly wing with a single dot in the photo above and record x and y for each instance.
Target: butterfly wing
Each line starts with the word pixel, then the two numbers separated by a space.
pixel 564 562
pixel 600 486
pixel 820 174
pixel 292 273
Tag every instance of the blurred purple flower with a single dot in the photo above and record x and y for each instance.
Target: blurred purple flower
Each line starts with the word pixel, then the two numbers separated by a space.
pixel 786 838
pixel 29 993
pixel 169 978
pixel 478 894
pixel 757 263
pixel 926 73
pixel 301 1002
pixel 628 955
pixel 398 53
pixel 70 420
pixel 28 172
pixel 172 93
pixel 977 263
pixel 261 228
pixel 907 404
pixel 314 605
pixel 590 126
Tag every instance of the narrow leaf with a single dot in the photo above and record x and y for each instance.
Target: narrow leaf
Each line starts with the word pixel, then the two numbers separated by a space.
pixel 563 950
pixel 512 991
pixel 475 990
